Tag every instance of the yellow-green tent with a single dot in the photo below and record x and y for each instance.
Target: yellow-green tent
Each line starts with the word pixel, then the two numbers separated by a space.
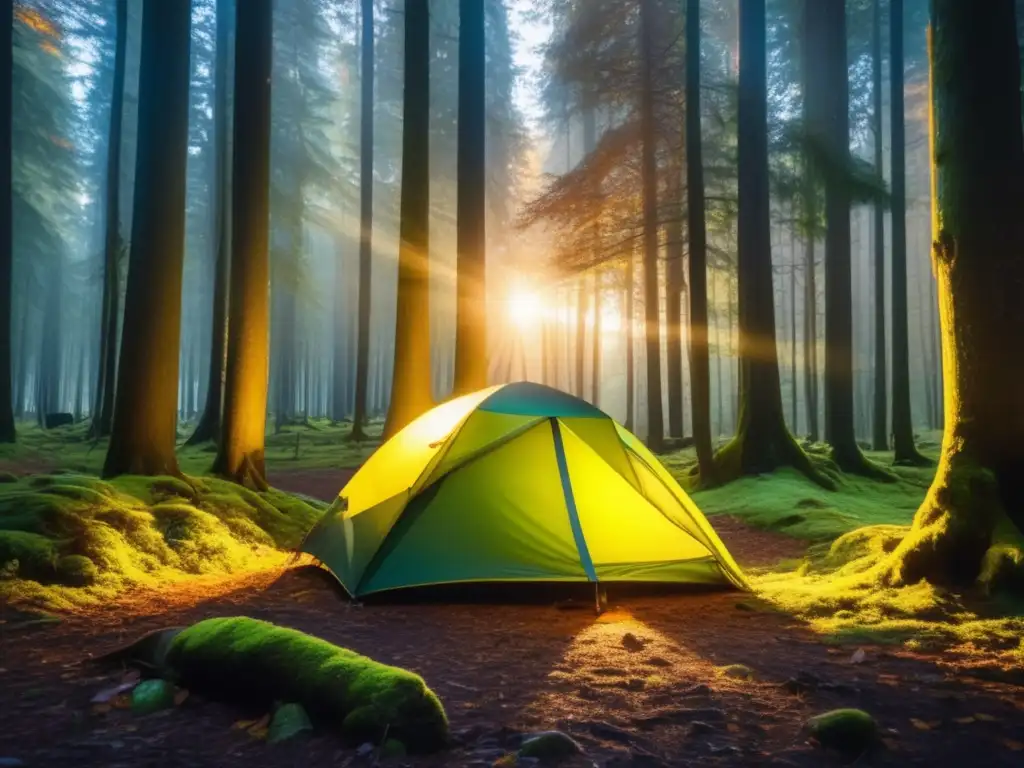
pixel 515 483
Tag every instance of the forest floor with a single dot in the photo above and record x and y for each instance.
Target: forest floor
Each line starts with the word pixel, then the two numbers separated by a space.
pixel 710 678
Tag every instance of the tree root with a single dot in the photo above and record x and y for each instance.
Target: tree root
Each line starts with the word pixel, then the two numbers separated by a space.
pixel 952 530
pixel 912 458
pixel 733 460
pixel 853 462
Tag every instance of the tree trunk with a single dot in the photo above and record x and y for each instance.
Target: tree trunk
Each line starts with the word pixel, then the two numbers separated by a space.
pixel 240 455
pixel 143 437
pixel 103 401
pixel 673 306
pixel 579 351
pixel 700 373
pixel 979 242
pixel 365 222
pixel 720 401
pixel 762 442
pixel 905 451
pixel 652 308
pixel 7 429
pixel 410 388
pixel 209 426
pixel 595 363
pixel 794 410
pixel 340 361
pixel 471 314
pixel 880 425
pixel 629 327
pixel 828 112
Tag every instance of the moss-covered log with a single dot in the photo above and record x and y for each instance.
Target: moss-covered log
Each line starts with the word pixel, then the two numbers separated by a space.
pixel 979 264
pixel 256 663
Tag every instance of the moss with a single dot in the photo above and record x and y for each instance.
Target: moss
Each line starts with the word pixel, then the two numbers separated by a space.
pixel 77 571
pixel 1002 570
pixel 28 555
pixel 952 530
pixel 135 532
pixel 552 745
pixel 254 662
pixel 152 696
pixel 850 731
pixel 8 477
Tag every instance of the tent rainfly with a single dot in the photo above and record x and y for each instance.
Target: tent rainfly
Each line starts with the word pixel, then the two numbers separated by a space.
pixel 516 483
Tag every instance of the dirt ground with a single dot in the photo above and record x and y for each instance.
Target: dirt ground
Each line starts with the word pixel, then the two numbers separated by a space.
pixel 641 685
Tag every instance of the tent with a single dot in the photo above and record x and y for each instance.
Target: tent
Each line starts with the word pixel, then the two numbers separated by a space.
pixel 515 483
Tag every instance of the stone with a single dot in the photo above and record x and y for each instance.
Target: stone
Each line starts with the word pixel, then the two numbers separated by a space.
pixel 549 745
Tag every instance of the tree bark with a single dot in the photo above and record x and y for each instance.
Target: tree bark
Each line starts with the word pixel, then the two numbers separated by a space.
pixel 595 361
pixel 7 428
pixel 905 451
pixel 880 421
pixel 103 400
pixel 979 242
pixel 828 112
pixel 762 442
pixel 240 454
pixel 142 440
pixel 410 389
pixel 580 348
pixel 700 372
pixel 340 362
pixel 209 426
pixel 652 304
pixel 674 305
pixel 628 328
pixel 471 243
pixel 365 223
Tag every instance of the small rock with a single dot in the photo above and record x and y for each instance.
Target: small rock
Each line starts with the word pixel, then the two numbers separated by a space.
pixel 633 643
pixel 288 722
pixel 365 750
pixel 609 732
pixel 850 731
pixel 701 689
pixel 657 661
pixel 392 749
pixel 152 696
pixel 737 672
pixel 549 745
pixel 725 749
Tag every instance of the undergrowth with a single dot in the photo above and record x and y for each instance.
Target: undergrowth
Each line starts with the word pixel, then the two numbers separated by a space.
pixel 69 540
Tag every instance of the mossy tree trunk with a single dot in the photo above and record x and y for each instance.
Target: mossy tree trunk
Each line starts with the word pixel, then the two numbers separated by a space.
pixel 410 389
pixel 209 426
pixel 880 415
pixel 142 440
pixel 762 442
pixel 905 451
pixel 471 315
pixel 649 172
pixel 979 262
pixel 362 377
pixel 700 371
pixel 103 400
pixel 240 454
pixel 7 430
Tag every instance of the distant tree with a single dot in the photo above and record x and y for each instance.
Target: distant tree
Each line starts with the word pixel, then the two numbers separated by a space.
pixel 113 243
pixel 7 430
pixel 240 454
pixel 700 373
pixel 902 425
pixel 762 442
pixel 978 248
pixel 365 221
pixel 471 318
pixel 880 421
pixel 209 426
pixel 410 389
pixel 143 437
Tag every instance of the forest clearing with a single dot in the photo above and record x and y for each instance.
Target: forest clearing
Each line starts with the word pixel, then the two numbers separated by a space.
pixel 511 383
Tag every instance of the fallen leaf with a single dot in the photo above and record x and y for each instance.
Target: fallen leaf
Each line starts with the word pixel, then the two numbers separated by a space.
pixel 108 694
pixel 732 728
pixel 1015 746
pixel 985 718
pixel 963 720
pixel 260 728
pixel 243 725
pixel 891 680
pixel 921 725
pixel 179 697
pixel 100 709
pixel 859 656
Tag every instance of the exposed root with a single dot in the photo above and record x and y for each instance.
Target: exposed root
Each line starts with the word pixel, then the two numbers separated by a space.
pixel 735 460
pixel 853 462
pixel 952 530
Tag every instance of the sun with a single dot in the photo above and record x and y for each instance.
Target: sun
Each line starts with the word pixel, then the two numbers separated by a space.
pixel 525 308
